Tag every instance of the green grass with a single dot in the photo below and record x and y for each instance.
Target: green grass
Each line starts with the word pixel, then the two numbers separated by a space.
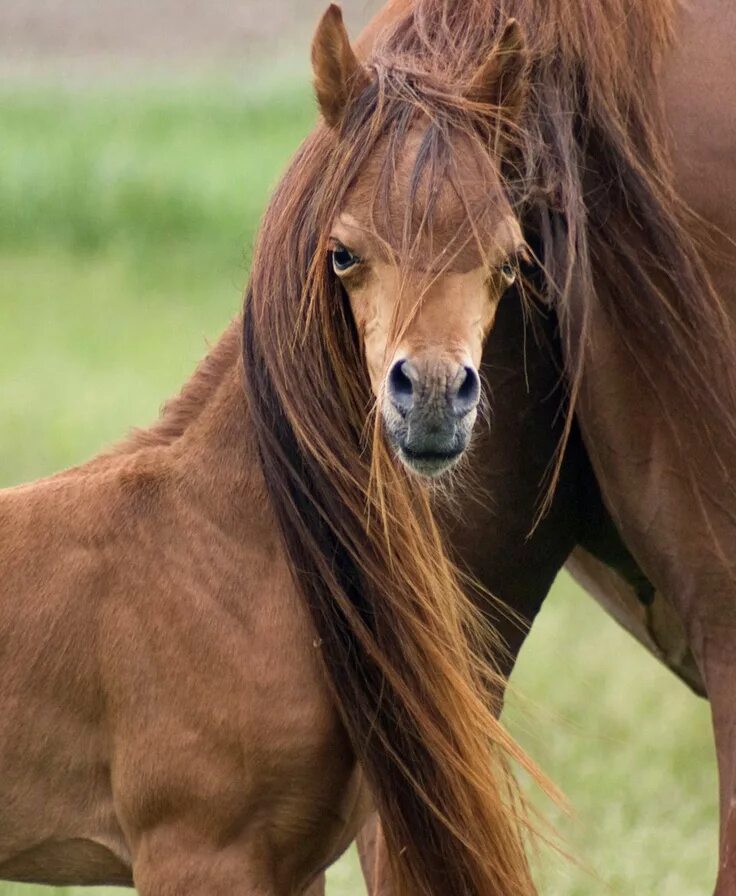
pixel 126 221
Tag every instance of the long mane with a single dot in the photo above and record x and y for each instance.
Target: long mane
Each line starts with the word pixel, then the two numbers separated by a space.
pixel 408 655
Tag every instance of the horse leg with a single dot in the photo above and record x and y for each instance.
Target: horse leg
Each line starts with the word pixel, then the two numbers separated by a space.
pixel 318 887
pixel 719 664
pixel 374 859
pixel 724 725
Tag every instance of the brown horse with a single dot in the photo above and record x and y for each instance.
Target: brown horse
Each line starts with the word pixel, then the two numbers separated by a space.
pixel 203 629
pixel 618 113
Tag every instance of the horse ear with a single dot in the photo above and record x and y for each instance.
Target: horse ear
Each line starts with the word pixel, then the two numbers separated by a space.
pixel 337 72
pixel 501 80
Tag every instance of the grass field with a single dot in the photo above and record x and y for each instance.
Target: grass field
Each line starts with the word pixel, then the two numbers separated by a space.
pixel 126 219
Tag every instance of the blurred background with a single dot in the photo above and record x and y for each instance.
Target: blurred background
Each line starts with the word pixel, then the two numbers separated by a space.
pixel 139 140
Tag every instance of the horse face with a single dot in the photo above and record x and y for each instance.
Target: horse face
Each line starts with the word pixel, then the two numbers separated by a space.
pixel 425 243
pixel 422 333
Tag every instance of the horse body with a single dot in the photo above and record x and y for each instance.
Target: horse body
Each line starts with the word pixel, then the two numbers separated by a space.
pixel 653 528
pixel 166 720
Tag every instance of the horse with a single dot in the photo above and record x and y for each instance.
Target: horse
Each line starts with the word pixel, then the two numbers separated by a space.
pixel 613 117
pixel 226 638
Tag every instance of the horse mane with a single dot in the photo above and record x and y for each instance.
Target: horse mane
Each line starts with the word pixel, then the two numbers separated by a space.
pixel 407 653
pixel 594 184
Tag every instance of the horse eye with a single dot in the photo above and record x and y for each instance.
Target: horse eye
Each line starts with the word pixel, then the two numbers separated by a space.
pixel 508 272
pixel 343 259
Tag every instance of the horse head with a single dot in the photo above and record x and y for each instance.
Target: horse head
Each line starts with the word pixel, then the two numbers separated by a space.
pixel 424 240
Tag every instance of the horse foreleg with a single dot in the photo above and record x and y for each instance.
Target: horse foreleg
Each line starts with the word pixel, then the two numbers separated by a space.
pixel 374 858
pixel 720 674
pixel 724 728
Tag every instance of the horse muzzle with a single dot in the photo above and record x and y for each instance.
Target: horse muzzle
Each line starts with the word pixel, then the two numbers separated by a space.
pixel 429 410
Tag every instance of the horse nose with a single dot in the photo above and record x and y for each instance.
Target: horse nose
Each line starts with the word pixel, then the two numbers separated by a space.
pixel 461 388
pixel 463 393
pixel 402 379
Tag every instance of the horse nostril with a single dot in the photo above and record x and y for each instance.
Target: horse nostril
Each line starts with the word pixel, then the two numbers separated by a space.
pixel 401 387
pixel 467 392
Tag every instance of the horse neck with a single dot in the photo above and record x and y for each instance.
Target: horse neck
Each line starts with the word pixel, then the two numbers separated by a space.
pixel 212 444
pixel 204 440
pixel 182 411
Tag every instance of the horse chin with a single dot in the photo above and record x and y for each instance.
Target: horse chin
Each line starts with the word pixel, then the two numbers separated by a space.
pixel 429 450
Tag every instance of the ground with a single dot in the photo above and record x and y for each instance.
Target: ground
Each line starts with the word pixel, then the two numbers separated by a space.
pixel 128 213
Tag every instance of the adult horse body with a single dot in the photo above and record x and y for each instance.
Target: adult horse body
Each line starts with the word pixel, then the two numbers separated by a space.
pixel 629 132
